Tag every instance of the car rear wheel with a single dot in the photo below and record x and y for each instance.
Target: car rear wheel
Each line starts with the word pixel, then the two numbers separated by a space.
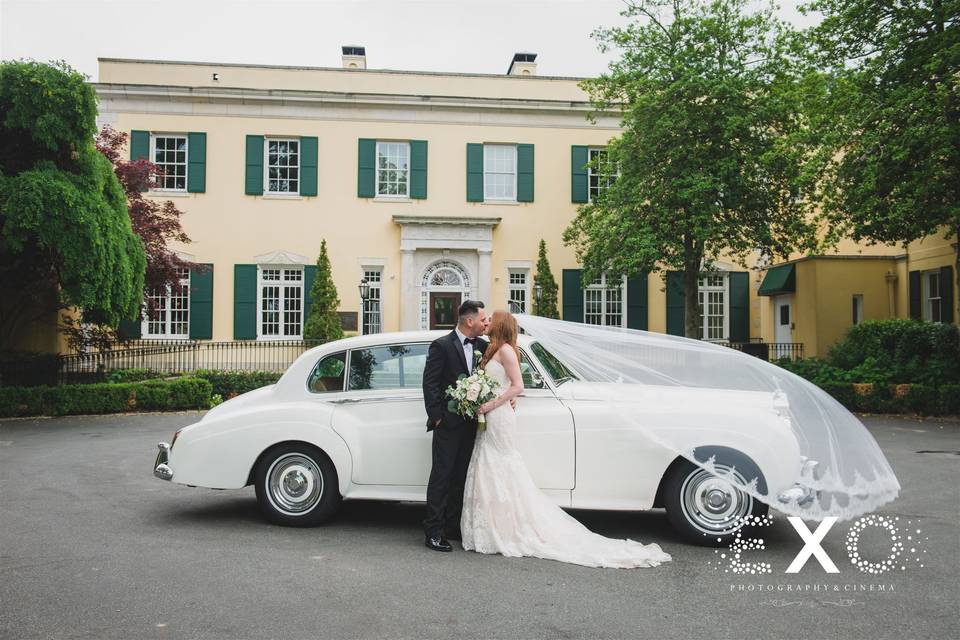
pixel 708 509
pixel 296 486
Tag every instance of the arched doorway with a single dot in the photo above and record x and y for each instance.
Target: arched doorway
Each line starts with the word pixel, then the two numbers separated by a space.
pixel 445 284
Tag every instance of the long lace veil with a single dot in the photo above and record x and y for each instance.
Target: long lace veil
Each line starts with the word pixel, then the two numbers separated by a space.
pixel 851 475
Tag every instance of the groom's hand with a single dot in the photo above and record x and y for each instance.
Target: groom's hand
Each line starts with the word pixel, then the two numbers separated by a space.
pixel 437 423
pixel 513 403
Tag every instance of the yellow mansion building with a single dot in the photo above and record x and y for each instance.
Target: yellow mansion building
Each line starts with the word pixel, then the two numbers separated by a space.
pixel 435 187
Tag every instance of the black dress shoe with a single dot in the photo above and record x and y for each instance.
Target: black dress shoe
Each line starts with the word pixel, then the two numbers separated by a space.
pixel 438 544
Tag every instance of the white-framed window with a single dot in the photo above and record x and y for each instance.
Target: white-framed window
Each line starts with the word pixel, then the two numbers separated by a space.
pixel 393 169
pixel 518 290
pixel 169 153
pixel 500 172
pixel 857 308
pixel 280 302
pixel 713 295
pixel 931 296
pixel 281 165
pixel 604 302
pixel 170 317
pixel 372 310
pixel 604 176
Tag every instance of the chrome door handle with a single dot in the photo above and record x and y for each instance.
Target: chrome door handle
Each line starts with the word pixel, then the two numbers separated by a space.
pixel 345 400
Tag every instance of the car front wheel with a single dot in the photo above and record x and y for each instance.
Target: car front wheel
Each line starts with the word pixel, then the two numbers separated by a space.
pixel 296 486
pixel 706 508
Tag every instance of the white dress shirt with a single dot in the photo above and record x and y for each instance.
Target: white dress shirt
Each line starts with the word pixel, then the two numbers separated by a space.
pixel 467 350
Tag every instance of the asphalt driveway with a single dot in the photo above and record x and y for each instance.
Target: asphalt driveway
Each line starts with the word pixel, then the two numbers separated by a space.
pixel 93 546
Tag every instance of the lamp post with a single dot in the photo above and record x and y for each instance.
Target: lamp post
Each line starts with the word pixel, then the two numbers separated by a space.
pixel 364 290
pixel 537 293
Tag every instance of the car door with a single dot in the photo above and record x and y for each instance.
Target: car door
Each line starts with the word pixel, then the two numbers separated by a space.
pixel 381 415
pixel 545 431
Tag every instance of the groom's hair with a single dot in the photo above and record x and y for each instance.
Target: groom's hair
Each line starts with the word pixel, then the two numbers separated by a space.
pixel 467 308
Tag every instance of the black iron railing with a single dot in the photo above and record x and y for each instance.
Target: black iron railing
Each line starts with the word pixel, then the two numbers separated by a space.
pixel 768 350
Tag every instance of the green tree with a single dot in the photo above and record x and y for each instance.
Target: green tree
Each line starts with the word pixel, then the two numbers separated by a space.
pixel 712 158
pixel 323 322
pixel 546 306
pixel 891 118
pixel 67 239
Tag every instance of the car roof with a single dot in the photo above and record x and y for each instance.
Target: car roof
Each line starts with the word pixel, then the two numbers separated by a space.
pixel 391 337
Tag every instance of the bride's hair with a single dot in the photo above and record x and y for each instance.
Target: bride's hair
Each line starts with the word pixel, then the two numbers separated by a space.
pixel 503 330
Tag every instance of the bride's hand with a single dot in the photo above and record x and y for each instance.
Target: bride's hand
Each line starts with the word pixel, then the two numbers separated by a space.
pixel 487 407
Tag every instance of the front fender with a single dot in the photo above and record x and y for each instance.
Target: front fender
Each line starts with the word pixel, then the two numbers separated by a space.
pixel 220 453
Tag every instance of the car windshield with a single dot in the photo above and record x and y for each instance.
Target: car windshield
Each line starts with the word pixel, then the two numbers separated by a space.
pixel 557 370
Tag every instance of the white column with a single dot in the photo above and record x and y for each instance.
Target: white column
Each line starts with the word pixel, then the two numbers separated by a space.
pixel 484 278
pixel 409 295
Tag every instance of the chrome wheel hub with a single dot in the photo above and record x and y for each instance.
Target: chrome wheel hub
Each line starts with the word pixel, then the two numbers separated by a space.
pixel 294 483
pixel 713 504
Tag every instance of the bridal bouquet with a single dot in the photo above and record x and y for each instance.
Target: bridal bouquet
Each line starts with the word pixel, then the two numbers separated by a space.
pixel 469 393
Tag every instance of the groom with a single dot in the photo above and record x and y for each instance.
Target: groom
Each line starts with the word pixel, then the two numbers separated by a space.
pixel 453 435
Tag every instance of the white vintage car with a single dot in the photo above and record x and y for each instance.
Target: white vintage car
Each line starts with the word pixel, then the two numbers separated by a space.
pixel 347 421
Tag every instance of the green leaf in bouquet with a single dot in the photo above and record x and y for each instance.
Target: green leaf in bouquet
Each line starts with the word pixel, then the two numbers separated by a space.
pixel 452 406
pixel 461 376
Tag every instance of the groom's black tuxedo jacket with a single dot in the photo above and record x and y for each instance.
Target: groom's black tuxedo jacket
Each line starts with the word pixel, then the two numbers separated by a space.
pixel 445 362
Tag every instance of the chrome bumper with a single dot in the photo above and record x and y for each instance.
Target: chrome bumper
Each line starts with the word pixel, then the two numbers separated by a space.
pixel 799 493
pixel 160 468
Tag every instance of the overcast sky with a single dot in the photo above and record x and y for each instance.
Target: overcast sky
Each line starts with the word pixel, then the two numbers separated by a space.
pixel 423 35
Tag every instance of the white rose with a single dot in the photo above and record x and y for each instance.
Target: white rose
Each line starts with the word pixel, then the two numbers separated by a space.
pixel 473 393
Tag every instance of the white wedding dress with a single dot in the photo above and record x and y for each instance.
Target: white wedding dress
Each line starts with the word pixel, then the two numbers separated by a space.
pixel 504 511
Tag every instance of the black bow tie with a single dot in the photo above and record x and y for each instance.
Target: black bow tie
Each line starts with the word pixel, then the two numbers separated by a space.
pixel 472 341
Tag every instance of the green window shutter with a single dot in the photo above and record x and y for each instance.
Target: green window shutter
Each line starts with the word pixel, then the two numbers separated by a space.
pixel 244 302
pixel 524 173
pixel 309 275
pixel 915 293
pixel 196 162
pixel 366 168
pixel 675 310
pixel 140 146
pixel 474 172
pixel 129 329
pixel 739 306
pixel 572 295
pixel 418 169
pixel 579 185
pixel 637 302
pixel 254 180
pixel 201 303
pixel 140 150
pixel 946 294
pixel 308 166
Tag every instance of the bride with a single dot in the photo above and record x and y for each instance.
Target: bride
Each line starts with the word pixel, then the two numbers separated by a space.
pixel 503 510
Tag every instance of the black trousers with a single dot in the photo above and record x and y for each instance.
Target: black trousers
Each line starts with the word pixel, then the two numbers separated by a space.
pixel 452 448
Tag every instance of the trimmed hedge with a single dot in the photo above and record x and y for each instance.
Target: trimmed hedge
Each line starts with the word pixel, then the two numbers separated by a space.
pixel 71 399
pixel 883 398
pixel 232 383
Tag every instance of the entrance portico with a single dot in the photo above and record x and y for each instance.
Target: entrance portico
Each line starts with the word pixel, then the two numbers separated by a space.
pixel 444 260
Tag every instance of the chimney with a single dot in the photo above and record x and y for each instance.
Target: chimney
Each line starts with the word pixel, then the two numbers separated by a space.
pixel 354 57
pixel 523 65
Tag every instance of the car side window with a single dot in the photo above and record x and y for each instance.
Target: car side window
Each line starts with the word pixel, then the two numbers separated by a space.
pixel 397 366
pixel 531 378
pixel 327 375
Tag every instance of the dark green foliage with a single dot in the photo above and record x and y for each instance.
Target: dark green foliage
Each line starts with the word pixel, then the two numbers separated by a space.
pixel 547 306
pixel 133 375
pixel 152 395
pixel 923 355
pixel 230 383
pixel 323 323
pixel 62 210
pixel 900 351
pixel 889 117
pixel 713 153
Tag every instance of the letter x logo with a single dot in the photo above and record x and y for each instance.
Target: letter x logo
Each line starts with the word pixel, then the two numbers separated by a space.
pixel 812 545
